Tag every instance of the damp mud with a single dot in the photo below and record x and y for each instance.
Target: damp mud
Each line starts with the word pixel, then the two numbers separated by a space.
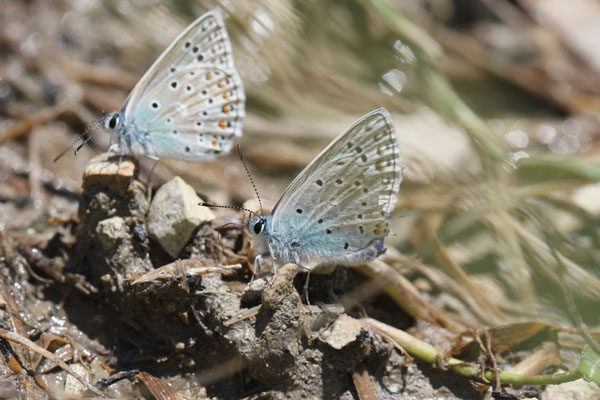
pixel 197 321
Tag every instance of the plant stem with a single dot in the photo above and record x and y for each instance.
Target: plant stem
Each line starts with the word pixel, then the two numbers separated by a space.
pixel 429 354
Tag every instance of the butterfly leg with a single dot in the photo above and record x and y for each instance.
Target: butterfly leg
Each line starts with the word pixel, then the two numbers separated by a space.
pixel 148 184
pixel 151 170
pixel 306 284
pixel 112 148
pixel 257 259
pixel 119 164
pixel 273 266
pixel 256 271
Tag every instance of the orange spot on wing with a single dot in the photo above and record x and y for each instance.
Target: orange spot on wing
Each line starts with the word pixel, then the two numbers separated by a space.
pixel 381 228
pixel 226 109
pixel 221 84
pixel 226 96
pixel 222 124
pixel 215 144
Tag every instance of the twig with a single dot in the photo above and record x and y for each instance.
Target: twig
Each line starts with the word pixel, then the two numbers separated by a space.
pixel 492 359
pixel 363 384
pixel 103 383
pixel 13 337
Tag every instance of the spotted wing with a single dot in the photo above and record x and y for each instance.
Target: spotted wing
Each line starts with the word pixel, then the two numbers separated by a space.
pixel 190 103
pixel 340 203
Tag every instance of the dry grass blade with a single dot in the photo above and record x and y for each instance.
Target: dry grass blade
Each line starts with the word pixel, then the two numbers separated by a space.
pixel 15 338
pixel 15 365
pixel 507 337
pixel 160 389
pixel 540 360
pixel 408 297
pixel 191 268
pixel 242 315
pixel 577 279
pixel 472 295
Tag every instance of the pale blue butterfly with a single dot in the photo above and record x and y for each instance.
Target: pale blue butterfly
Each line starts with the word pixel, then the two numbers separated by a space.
pixel 336 212
pixel 190 104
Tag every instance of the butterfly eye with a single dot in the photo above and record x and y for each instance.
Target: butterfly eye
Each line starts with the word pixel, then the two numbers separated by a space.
pixel 258 227
pixel 113 122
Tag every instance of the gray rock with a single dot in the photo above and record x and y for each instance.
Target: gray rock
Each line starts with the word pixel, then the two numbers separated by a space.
pixel 175 214
pixel 344 331
pixel 111 230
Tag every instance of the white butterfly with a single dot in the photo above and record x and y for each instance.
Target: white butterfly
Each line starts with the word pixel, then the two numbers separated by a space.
pixel 190 104
pixel 337 210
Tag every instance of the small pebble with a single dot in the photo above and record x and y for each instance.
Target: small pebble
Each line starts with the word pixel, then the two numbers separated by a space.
pixel 344 331
pixel 179 346
pixel 110 231
pixel 175 214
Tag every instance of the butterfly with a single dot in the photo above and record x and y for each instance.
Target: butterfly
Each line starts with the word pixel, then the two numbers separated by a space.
pixel 336 212
pixel 189 105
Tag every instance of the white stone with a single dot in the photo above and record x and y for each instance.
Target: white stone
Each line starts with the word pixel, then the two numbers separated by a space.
pixel 576 390
pixel 110 231
pixel 175 214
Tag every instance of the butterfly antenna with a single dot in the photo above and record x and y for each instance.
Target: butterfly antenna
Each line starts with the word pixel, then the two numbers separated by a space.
pixel 84 141
pixel 251 180
pixel 231 207
pixel 62 153
pixel 89 137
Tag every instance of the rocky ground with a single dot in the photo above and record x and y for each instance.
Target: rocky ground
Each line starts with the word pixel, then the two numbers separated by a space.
pixel 197 322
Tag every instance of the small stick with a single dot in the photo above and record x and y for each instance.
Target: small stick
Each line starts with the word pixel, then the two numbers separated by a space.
pixel 13 337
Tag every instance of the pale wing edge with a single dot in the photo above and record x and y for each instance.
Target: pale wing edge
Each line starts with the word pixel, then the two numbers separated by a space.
pixel 135 92
pixel 308 170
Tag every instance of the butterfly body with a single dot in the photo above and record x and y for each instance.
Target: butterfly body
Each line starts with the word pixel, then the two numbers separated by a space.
pixel 337 210
pixel 190 103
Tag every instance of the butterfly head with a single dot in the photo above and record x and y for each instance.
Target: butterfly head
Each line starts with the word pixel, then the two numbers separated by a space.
pixel 112 121
pixel 257 225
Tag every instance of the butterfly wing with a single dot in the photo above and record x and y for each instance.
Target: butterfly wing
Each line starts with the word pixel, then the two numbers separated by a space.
pixel 337 209
pixel 190 103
